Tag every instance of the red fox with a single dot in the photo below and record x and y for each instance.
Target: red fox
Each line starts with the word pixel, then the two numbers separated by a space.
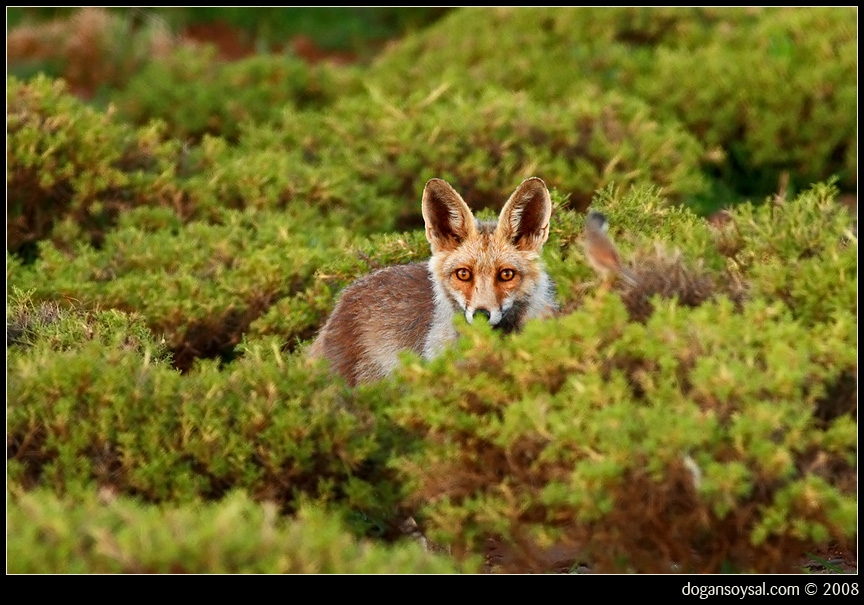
pixel 490 268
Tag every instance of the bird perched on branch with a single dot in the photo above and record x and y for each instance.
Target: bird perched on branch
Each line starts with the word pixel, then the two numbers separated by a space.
pixel 601 253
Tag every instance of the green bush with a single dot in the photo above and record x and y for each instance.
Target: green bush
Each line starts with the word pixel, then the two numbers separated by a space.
pixel 765 90
pixel 65 159
pixel 796 251
pixel 301 315
pixel 778 96
pixel 195 93
pixel 268 424
pixel 385 150
pixel 362 164
pixel 637 447
pixel 552 53
pixel 198 285
pixel 120 535
pixel 279 177
pixel 59 328
pixel 673 252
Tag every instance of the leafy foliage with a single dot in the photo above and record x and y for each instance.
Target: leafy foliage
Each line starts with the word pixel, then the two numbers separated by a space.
pixel 119 535
pixel 636 447
pixel 195 94
pixel 170 257
pixel 786 105
pixel 763 89
pixel 266 425
pixel 551 439
pixel 199 285
pixel 66 159
pixel 482 146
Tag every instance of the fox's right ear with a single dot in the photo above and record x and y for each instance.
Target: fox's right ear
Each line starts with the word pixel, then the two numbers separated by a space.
pixel 448 219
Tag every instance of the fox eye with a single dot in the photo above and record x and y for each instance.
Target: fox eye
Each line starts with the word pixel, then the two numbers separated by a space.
pixel 463 274
pixel 506 274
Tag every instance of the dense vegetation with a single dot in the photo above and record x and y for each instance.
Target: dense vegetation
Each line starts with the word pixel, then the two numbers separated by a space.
pixel 179 226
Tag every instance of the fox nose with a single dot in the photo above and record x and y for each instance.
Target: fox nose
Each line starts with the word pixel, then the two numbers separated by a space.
pixel 482 312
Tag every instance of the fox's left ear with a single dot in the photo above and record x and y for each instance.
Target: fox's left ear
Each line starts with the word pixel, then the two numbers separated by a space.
pixel 524 220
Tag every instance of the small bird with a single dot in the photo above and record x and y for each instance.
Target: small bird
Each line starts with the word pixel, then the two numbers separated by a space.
pixel 601 253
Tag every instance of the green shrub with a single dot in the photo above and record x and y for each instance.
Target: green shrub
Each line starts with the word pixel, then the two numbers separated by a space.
pixel 198 285
pixel 66 159
pixel 120 535
pixel 702 420
pixel 374 154
pixel 59 328
pixel 778 96
pixel 364 163
pixel 637 447
pixel 552 53
pixel 14 267
pixel 734 421
pixel 195 93
pixel 269 424
pixel 764 90
pixel 673 252
pixel 791 252
pixel 282 176
pixel 797 252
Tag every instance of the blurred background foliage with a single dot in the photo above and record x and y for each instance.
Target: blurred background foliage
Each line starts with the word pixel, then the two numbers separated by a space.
pixel 264 29
pixel 769 93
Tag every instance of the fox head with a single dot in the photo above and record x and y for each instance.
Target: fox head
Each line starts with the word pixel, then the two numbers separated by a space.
pixel 488 268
